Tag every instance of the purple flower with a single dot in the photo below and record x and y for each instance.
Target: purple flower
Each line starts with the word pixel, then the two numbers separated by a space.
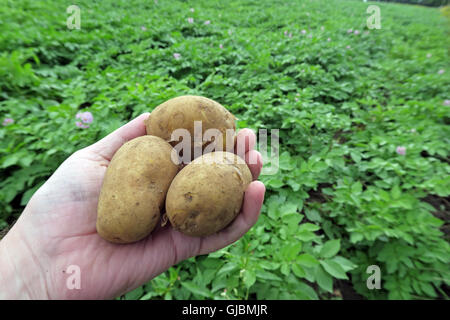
pixel 446 102
pixel 285 32
pixel 221 46
pixel 429 55
pixel 7 121
pixel 303 31
pixel 296 99
pixel 85 117
pixel 349 30
pixel 329 39
pixel 441 71
pixel 348 47
pixel 79 124
pixel 401 150
pixel 207 22
pixel 177 56
pixel 191 20
pixel 356 32
pixel 290 34
pixel 143 28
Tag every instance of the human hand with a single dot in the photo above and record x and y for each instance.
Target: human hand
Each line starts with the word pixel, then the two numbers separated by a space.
pixel 57 230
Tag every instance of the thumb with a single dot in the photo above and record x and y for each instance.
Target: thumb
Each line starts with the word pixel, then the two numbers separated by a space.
pixel 107 146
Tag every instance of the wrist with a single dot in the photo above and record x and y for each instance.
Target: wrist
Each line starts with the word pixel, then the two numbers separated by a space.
pixel 20 276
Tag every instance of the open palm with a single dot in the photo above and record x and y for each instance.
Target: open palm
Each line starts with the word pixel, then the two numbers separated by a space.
pixel 57 228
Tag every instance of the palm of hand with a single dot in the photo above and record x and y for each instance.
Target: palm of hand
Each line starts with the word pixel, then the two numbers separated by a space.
pixel 58 227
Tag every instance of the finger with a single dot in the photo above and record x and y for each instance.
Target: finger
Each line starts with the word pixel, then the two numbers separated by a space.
pixel 254 162
pixel 107 146
pixel 253 199
pixel 245 141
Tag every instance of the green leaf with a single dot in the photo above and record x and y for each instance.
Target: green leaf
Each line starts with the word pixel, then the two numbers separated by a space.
pixel 269 265
pixel 357 188
pixel 356 157
pixel 319 166
pixel 324 280
pixel 248 277
pixel 275 183
pixel 135 294
pixel 285 269
pixel 356 237
pixel 290 251
pixel 330 248
pixel 168 296
pixel 219 283
pixel 293 184
pixel 227 268
pixel 334 269
pixel 11 160
pixel 266 275
pixel 298 271
pixel 195 289
pixel 346 264
pixel 396 192
pixel 313 215
pixel 428 289
pixel 307 260
pixel 288 208
pixel 305 236
pixel 308 291
pixel 292 221
pixel 218 253
pixel 309 227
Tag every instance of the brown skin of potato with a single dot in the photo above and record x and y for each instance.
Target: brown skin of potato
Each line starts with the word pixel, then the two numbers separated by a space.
pixel 181 112
pixel 134 189
pixel 205 197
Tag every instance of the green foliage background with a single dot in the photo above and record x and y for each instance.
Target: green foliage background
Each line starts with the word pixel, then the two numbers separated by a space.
pixel 431 3
pixel 342 200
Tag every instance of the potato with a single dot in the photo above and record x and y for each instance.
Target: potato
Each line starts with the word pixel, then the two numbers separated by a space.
pixel 134 189
pixel 182 112
pixel 207 194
